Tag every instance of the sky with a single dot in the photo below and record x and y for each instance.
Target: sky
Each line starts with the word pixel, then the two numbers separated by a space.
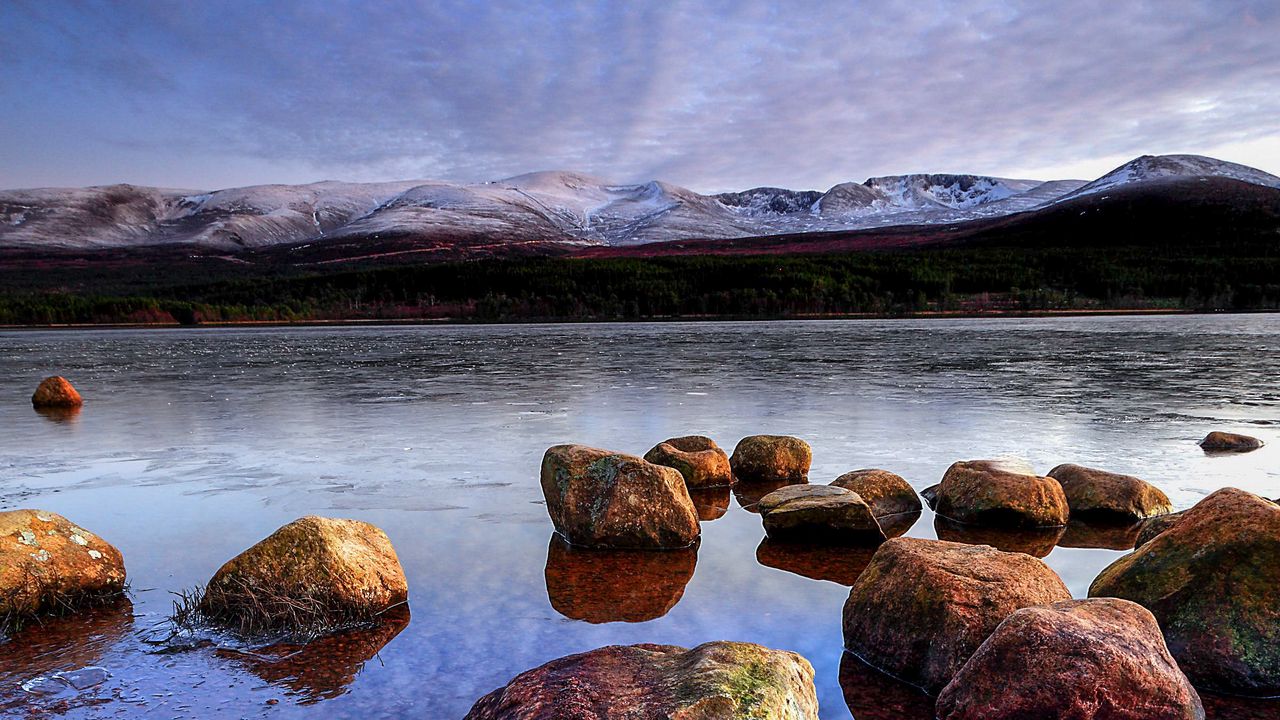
pixel 709 95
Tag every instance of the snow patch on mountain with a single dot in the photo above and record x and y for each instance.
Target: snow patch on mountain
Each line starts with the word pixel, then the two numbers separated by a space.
pixel 1161 167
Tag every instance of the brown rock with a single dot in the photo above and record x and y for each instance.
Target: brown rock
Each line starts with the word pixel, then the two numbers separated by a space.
pixel 987 492
pixel 885 492
pixel 598 498
pixel 48 564
pixel 898 525
pixel 1219 442
pixel 603 586
pixel 1109 495
pixel 711 503
pixel 56 392
pixel 1152 527
pixel 834 563
pixel 315 573
pixel 1211 582
pixel 1036 542
pixel 702 463
pixel 748 495
pixel 771 457
pixel 660 682
pixel 819 514
pixel 922 607
pixel 1089 659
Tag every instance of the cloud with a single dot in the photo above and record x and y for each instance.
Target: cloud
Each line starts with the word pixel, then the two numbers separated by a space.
pixel 713 95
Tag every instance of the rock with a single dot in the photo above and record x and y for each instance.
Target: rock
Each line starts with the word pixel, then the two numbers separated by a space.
pixel 885 492
pixel 48 564
pixel 1223 442
pixel 930 495
pixel 988 492
pixel 598 498
pixel 771 457
pixel 702 463
pixel 819 514
pixel 711 503
pixel 834 563
pixel 1101 535
pixel 1090 659
pixel 56 392
pixel 315 573
pixel 1109 495
pixel 1036 542
pixel 602 586
pixel 1152 527
pixel 922 607
pixel 1211 582
pixel 748 495
pixel 653 682
pixel 898 525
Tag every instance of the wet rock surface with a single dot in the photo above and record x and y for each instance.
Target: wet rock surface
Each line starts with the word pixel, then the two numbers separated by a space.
pixel 1152 527
pixel 886 492
pixel 1108 495
pixel 819 514
pixel 56 392
pixel 603 586
pixel 749 495
pixel 699 459
pixel 764 458
pixel 49 564
pixel 1225 442
pixel 999 493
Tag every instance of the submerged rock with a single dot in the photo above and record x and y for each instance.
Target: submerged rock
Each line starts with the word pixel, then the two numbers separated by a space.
pixel 1218 441
pixel 313 574
pixel 1210 580
pixel 771 457
pixel 922 607
pixel 660 682
pixel 48 564
pixel 1089 659
pixel 598 498
pixel 991 492
pixel 56 392
pixel 885 492
pixel 819 514
pixel 702 463
pixel 1107 494
pixel 603 586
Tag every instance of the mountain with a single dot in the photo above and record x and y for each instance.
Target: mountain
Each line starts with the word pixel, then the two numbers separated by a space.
pixel 1155 168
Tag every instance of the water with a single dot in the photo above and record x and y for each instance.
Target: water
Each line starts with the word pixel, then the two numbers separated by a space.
pixel 194 444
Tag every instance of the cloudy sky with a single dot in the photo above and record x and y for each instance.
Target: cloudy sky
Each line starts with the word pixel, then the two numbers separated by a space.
pixel 710 95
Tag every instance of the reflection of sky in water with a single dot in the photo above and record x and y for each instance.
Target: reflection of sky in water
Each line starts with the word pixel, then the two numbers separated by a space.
pixel 194 444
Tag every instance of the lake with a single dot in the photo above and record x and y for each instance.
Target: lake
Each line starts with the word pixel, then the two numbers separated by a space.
pixel 194 444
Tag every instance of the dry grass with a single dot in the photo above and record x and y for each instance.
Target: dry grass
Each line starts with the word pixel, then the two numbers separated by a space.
pixel 51 602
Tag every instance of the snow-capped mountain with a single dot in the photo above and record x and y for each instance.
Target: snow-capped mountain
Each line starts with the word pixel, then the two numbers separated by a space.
pixel 544 207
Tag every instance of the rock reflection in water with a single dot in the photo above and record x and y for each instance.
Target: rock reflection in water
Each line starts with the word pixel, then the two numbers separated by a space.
pixel 837 564
pixel 602 586
pixel 1226 707
pixel 711 503
pixel 748 494
pixel 59 415
pixel 873 695
pixel 898 524
pixel 1100 534
pixel 1037 542
pixel 325 667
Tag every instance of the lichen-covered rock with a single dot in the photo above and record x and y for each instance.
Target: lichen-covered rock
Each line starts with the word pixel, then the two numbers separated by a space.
pixel 771 457
pixel 885 492
pixel 1211 582
pixel 312 574
pixel 56 392
pixel 598 498
pixel 1089 659
pixel 47 563
pixel 603 586
pixel 1107 494
pixel 716 680
pixel 992 492
pixel 699 459
pixel 922 607
pixel 1152 527
pixel 1218 441
pixel 819 514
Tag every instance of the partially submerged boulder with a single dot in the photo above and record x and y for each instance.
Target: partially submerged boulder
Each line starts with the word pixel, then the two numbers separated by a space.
pixel 749 494
pixel 660 682
pixel 994 492
pixel 313 574
pixel 819 514
pixel 1152 527
pixel 603 586
pixel 56 392
pixel 885 492
pixel 1088 659
pixel 1210 580
pixel 1223 442
pixel 763 458
pixel 699 459
pixel 922 607
pixel 1109 495
pixel 49 564
pixel 598 498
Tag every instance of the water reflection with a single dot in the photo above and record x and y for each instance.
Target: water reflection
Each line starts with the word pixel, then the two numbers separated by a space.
pixel 59 415
pixel 711 503
pixel 1037 542
pixel 1100 535
pixel 897 524
pixel 748 494
pixel 1224 707
pixel 603 586
pixel 872 695
pixel 837 564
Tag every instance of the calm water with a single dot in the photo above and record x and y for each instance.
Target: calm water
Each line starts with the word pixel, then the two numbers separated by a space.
pixel 194 444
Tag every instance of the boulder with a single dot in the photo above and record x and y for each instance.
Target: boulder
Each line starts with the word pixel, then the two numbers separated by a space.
pixel 660 682
pixel 1152 527
pixel 1223 442
pixel 763 458
pixel 56 392
pixel 603 586
pixel 48 564
pixel 1211 582
pixel 314 574
pixel 748 495
pixel 930 495
pixel 598 498
pixel 922 607
pixel 699 459
pixel 1091 659
pixel 819 514
pixel 885 492
pixel 991 492
pixel 1105 494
